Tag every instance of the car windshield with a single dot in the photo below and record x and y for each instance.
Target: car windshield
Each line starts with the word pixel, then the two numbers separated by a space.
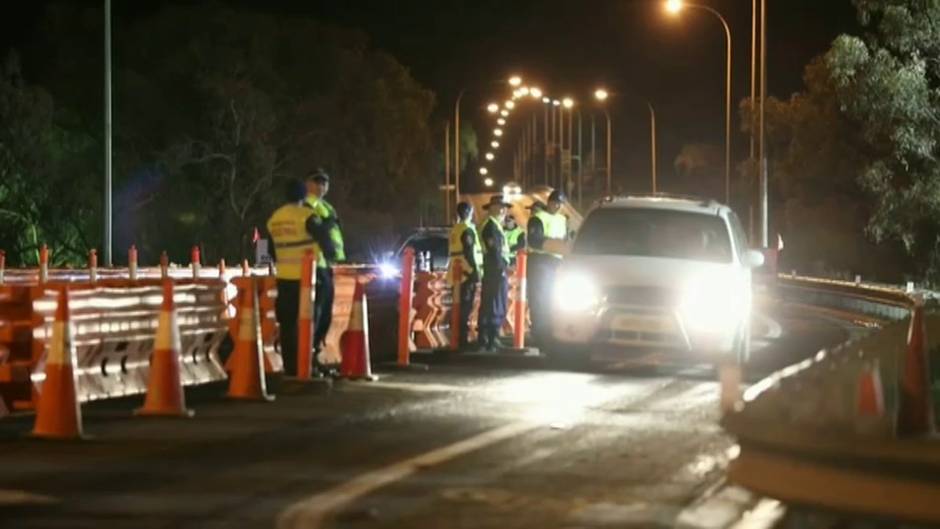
pixel 655 233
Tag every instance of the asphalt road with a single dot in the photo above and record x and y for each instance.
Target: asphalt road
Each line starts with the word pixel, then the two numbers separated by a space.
pixel 476 443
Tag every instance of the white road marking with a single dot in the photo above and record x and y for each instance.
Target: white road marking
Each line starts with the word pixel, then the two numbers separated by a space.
pixel 311 512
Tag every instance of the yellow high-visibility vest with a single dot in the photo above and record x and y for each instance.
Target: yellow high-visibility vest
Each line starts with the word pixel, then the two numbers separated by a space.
pixel 324 210
pixel 456 251
pixel 288 227
pixel 554 226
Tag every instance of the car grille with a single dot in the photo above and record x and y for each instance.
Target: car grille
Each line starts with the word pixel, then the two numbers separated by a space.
pixel 643 296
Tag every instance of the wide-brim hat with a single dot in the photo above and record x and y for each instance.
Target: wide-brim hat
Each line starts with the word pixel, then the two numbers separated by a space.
pixel 498 200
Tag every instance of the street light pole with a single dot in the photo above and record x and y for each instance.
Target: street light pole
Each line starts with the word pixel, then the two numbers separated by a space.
pixel 764 213
pixel 457 147
pixel 108 217
pixel 447 218
pixel 609 142
pixel 652 143
pixel 674 7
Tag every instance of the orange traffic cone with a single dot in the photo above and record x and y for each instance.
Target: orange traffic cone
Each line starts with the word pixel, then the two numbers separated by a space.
pixel 246 380
pixel 59 414
pixel 165 396
pixel 915 416
pixel 354 343
pixel 870 401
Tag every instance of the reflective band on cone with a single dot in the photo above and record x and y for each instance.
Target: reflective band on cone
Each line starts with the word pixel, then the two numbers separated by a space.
pixel 354 343
pixel 247 366
pixel 165 396
pixel 59 414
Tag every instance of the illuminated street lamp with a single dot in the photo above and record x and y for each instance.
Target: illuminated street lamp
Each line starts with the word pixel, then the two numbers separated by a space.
pixel 501 122
pixel 567 102
pixel 494 144
pixel 484 171
pixel 556 102
pixel 515 80
pixel 488 182
pixel 497 132
pixel 504 113
pixel 492 108
pixel 674 7
pixel 523 91
pixel 510 105
pixel 535 92
pixel 546 100
pixel 601 95
pixel 490 156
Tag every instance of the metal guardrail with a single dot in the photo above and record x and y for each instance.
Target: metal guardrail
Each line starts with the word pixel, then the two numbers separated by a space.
pixel 802 433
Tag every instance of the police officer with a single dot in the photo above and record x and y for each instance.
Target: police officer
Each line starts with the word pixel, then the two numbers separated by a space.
pixel 494 300
pixel 465 249
pixel 291 227
pixel 546 228
pixel 329 235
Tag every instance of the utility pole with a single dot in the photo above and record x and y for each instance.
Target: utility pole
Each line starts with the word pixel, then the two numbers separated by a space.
pixel 447 218
pixel 108 259
pixel 764 213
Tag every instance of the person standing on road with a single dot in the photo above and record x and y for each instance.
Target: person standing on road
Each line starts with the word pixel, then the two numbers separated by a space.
pixel 329 235
pixel 464 248
pixel 547 228
pixel 494 300
pixel 291 227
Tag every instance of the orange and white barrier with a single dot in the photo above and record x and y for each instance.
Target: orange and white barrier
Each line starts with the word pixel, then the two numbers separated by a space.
pixel 405 300
pixel 305 317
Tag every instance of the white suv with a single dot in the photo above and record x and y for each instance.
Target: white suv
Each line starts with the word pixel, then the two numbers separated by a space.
pixel 657 273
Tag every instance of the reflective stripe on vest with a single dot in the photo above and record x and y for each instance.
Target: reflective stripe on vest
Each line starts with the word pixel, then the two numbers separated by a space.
pixel 455 248
pixel 288 228
pixel 324 210
pixel 554 226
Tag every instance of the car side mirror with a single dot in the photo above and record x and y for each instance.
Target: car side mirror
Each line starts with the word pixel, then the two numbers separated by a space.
pixel 755 259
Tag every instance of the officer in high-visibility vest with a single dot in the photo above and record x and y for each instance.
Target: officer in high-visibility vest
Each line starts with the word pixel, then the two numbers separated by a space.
pixel 291 227
pixel 494 299
pixel 330 237
pixel 465 249
pixel 515 235
pixel 547 228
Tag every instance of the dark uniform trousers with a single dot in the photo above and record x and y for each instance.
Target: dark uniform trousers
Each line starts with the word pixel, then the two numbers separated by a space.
pixel 286 310
pixel 468 294
pixel 323 306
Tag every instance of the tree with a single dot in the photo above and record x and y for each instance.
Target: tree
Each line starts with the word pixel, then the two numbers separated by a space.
pixel 44 196
pixel 217 107
pixel 888 85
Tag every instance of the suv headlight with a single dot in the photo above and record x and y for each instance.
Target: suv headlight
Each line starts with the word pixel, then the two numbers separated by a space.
pixel 575 292
pixel 714 304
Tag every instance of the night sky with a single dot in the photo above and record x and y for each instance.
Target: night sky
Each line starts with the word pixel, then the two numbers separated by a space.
pixel 567 47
